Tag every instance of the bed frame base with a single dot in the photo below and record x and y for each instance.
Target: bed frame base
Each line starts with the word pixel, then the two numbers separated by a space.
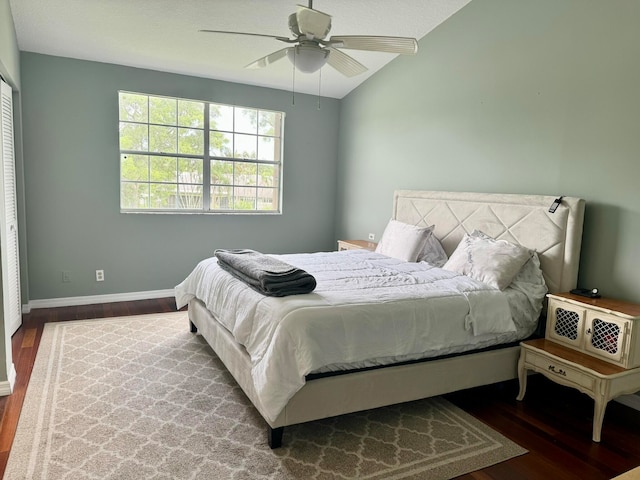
pixel 364 390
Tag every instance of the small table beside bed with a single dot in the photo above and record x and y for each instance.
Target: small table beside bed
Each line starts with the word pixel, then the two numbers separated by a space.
pixel 457 280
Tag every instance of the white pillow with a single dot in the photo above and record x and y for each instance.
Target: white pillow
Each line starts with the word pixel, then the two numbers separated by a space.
pixel 530 282
pixel 494 262
pixel 403 241
pixel 433 253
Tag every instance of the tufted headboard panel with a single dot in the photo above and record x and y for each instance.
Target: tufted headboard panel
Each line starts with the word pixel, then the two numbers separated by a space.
pixel 520 219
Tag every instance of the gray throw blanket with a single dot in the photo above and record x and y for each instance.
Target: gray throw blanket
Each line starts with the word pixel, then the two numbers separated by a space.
pixel 264 273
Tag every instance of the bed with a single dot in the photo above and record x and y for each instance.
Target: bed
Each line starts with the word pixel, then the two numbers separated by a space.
pixel 317 388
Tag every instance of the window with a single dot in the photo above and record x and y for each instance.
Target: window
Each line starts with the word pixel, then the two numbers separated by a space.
pixel 179 155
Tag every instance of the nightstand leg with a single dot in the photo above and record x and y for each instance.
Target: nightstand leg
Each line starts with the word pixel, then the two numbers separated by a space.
pixel 598 416
pixel 522 376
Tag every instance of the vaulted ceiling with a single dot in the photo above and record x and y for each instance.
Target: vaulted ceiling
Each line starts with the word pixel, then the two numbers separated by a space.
pixel 164 35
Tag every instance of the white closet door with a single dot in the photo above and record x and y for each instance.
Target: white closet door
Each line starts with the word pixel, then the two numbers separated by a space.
pixel 9 224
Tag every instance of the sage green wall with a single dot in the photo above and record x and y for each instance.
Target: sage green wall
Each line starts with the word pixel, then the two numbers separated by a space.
pixel 511 96
pixel 70 108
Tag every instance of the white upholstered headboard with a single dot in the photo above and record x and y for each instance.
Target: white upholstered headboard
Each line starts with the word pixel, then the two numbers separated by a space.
pixel 520 219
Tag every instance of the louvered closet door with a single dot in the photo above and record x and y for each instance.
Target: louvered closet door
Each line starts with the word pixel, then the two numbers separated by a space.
pixel 9 225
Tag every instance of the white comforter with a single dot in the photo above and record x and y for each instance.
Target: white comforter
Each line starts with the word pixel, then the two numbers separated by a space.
pixel 366 308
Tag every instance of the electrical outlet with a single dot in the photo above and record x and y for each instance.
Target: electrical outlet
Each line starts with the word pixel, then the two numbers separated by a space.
pixel 372 237
pixel 99 275
pixel 66 276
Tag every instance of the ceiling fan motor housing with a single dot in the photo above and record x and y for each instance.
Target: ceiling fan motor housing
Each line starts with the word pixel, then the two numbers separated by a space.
pixel 319 32
pixel 293 25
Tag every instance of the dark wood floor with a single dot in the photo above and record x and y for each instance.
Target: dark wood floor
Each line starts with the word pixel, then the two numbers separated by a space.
pixel 553 422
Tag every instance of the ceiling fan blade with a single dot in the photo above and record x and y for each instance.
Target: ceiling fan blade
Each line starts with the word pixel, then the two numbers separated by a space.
pixel 346 65
pixel 269 59
pixel 313 23
pixel 275 37
pixel 403 45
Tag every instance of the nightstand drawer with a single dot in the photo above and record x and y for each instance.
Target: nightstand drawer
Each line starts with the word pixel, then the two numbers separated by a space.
pixel 564 372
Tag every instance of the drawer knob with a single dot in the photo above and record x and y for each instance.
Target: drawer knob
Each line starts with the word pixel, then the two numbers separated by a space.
pixel 559 371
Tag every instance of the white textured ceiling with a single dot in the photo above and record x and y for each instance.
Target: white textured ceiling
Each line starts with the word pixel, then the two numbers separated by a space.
pixel 163 34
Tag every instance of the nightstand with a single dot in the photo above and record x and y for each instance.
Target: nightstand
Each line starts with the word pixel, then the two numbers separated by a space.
pixel 356 245
pixel 590 345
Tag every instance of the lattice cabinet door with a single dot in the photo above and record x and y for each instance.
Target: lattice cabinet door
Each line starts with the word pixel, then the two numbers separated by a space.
pixel 565 323
pixel 606 337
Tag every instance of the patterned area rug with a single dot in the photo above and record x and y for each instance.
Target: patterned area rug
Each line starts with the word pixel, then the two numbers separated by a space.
pixel 143 398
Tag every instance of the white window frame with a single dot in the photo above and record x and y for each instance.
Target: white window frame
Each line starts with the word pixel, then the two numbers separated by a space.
pixel 207 158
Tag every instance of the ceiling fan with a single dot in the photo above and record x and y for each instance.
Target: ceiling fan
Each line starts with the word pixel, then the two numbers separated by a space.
pixel 311 48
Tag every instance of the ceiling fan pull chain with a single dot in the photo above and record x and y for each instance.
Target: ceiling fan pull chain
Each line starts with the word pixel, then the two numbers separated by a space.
pixel 293 83
pixel 319 86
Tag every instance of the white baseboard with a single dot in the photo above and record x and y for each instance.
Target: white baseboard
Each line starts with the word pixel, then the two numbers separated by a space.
pixel 632 401
pixel 91 299
pixel 6 387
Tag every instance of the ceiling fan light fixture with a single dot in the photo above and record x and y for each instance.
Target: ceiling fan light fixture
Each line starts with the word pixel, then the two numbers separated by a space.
pixel 308 58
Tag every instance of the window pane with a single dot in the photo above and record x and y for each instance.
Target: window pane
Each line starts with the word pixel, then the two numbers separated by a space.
pixel 134 108
pixel 134 136
pixel 190 114
pixel 221 117
pixel 268 148
pixel 246 120
pixel 190 170
pixel 134 195
pixel 245 174
pixel 163 110
pixel 267 199
pixel 163 139
pixel 190 141
pixel 162 155
pixel 221 172
pixel 245 146
pixel 244 198
pixel 164 169
pixel 163 195
pixel 190 196
pixel 134 167
pixel 221 144
pixel 269 123
pixel 268 175
pixel 221 198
